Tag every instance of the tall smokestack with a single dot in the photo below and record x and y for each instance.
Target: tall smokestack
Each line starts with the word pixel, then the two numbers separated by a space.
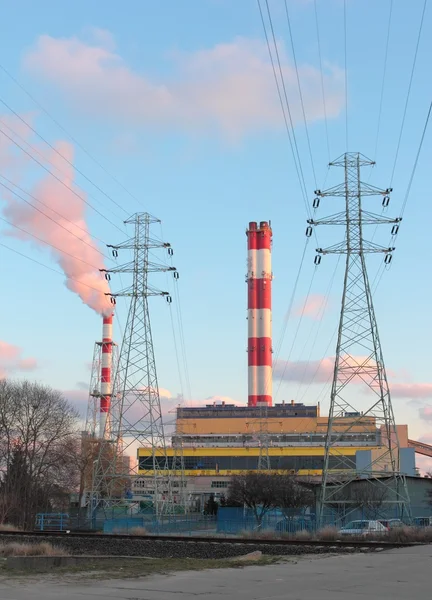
pixel 259 280
pixel 106 384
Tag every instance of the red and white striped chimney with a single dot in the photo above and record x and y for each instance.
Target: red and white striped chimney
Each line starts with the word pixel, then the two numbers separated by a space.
pixel 106 385
pixel 259 280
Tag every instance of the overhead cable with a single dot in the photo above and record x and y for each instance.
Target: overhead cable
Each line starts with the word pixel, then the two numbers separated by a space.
pixel 409 90
pixel 322 81
pixel 300 93
pixel 48 267
pixel 60 181
pixel 69 135
pixel 62 156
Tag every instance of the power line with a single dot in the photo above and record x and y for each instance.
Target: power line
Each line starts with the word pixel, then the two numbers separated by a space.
pixel 49 268
pixel 300 92
pixel 62 156
pixel 297 331
pixel 57 169
pixel 409 90
pixel 346 76
pixel 322 80
pixel 321 314
pixel 50 162
pixel 291 302
pixel 299 173
pixel 60 181
pixel 383 78
pixel 180 327
pixel 416 160
pixel 49 244
pixel 70 136
pixel 287 101
pixel 50 218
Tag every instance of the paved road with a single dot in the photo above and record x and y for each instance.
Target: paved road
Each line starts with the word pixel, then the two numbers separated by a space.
pixel 395 574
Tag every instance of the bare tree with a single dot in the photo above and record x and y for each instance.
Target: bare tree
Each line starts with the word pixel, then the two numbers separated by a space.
pixel 367 496
pixel 36 424
pixel 257 491
pixel 291 494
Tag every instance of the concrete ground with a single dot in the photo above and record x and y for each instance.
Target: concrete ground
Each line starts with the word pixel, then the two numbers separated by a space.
pixel 394 574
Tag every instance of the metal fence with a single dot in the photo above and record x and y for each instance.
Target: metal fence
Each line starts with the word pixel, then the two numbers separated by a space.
pixel 228 522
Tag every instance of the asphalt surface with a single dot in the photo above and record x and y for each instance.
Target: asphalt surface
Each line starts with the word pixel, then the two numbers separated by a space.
pixel 395 574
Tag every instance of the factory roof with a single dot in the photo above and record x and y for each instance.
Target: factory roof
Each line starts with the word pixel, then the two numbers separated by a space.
pixel 223 410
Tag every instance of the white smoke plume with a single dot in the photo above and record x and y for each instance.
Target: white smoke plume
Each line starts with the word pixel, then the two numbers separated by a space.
pixel 71 244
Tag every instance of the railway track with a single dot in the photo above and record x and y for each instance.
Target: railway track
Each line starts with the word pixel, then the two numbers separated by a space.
pixel 210 540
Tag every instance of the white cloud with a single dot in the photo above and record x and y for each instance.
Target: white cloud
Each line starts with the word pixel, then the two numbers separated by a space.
pixel 228 88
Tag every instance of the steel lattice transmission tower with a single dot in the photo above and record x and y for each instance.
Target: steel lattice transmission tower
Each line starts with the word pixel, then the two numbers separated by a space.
pixel 264 463
pixel 136 418
pixel 359 360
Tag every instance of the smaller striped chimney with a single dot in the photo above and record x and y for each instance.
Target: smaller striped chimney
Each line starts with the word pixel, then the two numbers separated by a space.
pixel 106 384
pixel 259 280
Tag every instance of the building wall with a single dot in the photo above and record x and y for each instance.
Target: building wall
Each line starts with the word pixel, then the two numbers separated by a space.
pixel 229 461
pixel 244 425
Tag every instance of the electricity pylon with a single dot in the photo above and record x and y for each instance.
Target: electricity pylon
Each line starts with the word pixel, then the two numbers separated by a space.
pixel 264 463
pixel 359 360
pixel 136 417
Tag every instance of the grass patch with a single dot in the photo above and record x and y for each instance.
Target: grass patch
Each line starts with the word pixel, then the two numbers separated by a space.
pixel 118 568
pixel 21 549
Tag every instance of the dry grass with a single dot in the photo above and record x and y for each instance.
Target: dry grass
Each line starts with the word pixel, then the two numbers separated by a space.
pixel 134 531
pixel 41 549
pixel 327 534
pixel 302 536
pixel 138 531
pixel 407 535
pixel 8 527
pixel 263 534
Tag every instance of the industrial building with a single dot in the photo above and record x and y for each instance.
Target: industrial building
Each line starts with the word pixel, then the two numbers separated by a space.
pixel 219 440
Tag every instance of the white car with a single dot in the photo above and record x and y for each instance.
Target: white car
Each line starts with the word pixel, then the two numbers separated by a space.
pixel 363 528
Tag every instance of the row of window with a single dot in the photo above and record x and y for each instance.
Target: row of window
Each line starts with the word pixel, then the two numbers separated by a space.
pixel 219 484
pixel 273 412
pixel 249 463
pixel 276 438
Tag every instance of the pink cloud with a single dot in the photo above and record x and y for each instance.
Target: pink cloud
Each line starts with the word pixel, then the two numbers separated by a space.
pixel 425 413
pixel 314 306
pixel 11 360
pixel 322 372
pixel 424 464
pixel 303 371
pixel 411 390
pixel 227 88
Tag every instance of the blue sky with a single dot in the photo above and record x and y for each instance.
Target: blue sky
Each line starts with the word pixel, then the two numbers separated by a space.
pixel 177 101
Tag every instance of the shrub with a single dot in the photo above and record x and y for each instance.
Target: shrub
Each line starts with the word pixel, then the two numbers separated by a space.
pixel 264 534
pixel 328 534
pixel 302 536
pixel 42 549
pixel 403 535
pixel 8 527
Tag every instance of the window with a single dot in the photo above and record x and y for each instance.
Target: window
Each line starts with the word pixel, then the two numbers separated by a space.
pixel 219 484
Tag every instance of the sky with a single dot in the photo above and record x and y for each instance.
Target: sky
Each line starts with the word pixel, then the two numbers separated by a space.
pixel 172 108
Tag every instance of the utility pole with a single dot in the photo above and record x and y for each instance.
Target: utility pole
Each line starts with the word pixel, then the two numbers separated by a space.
pixel 359 359
pixel 136 418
